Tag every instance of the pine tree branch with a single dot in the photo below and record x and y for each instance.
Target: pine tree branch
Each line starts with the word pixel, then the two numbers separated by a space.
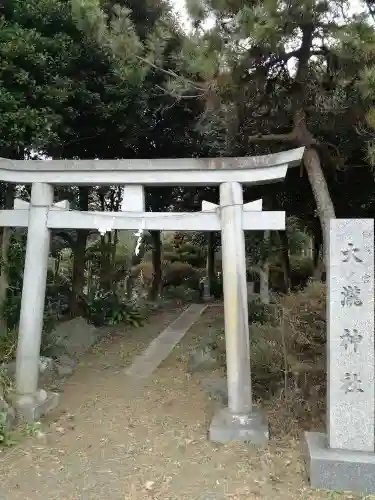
pixel 323 51
pixel 174 94
pixel 371 8
pixel 170 73
pixel 271 138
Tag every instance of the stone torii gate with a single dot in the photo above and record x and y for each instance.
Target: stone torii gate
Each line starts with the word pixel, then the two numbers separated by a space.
pixel 241 420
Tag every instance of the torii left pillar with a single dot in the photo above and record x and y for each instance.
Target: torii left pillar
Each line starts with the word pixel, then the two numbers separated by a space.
pixel 29 402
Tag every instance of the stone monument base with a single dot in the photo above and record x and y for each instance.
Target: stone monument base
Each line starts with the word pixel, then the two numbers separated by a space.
pixel 226 427
pixel 31 408
pixel 339 470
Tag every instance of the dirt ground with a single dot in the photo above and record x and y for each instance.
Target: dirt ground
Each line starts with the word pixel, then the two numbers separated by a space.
pixel 114 440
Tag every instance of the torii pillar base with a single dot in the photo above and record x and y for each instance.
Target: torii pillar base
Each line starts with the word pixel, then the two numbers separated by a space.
pixel 252 428
pixel 31 408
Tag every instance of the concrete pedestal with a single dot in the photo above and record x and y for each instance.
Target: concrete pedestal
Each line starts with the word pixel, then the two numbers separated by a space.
pixel 338 470
pixel 31 408
pixel 251 428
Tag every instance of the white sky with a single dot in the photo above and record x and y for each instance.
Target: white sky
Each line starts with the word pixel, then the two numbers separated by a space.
pixel 179 7
pixel 356 6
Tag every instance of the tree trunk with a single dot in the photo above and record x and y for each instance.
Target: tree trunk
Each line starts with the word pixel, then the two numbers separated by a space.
pixel 317 252
pixel 5 234
pixel 114 248
pixel 56 268
pixel 136 259
pixel 112 261
pixel 106 274
pixel 264 291
pixel 156 263
pixel 76 304
pixel 89 278
pixel 129 285
pixel 309 250
pixel 210 263
pixel 324 205
pixel 285 260
pixel 5 239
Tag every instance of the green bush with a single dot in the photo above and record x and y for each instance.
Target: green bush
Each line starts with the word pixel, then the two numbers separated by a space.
pixel 7 437
pixel 8 346
pixel 193 259
pixel 173 274
pixel 186 253
pixel 259 313
pixel 181 292
pixel 171 256
pixel 191 254
pixel 14 270
pixel 168 246
pixel 108 308
pixel 179 273
pixel 56 306
pixel 276 277
pixel 57 292
pixel 301 270
pixel 217 288
pixel 147 271
pixel 12 307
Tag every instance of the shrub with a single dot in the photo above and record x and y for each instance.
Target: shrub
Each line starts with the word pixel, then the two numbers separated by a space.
pixel 296 346
pixel 108 308
pixel 301 270
pixel 305 320
pixel 7 437
pixel 57 291
pixel 55 308
pixel 173 274
pixel 276 277
pixel 217 288
pixel 291 350
pixel 258 312
pixel 192 259
pixel 147 271
pixel 171 256
pixel 178 273
pixel 186 253
pixel 181 293
pixel 191 254
pixel 8 346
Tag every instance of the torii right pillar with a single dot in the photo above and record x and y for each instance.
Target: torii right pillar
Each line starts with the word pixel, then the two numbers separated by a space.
pixel 240 421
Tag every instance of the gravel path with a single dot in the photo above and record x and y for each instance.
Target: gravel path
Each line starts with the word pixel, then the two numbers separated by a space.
pixel 115 441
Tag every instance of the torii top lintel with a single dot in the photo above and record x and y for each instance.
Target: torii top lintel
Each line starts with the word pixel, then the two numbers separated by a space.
pixel 171 171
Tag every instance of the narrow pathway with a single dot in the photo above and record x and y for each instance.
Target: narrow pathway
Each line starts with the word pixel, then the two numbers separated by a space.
pixel 160 348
